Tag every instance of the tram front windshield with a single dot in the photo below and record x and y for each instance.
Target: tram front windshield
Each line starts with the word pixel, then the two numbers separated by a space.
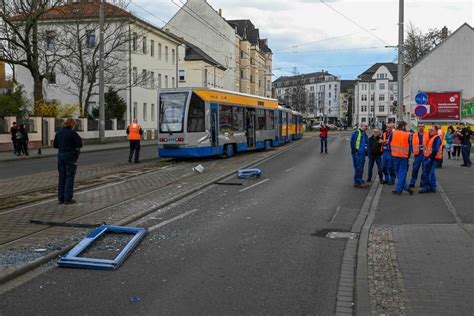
pixel 172 107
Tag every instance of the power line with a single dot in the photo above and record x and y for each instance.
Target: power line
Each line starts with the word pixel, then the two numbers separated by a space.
pixel 333 50
pixel 354 22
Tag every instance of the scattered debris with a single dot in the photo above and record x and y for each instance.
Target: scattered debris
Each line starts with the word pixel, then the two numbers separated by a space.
pixel 41 250
pixel 73 260
pixel 228 183
pixel 199 169
pixel 249 173
pixel 75 225
pixel 135 299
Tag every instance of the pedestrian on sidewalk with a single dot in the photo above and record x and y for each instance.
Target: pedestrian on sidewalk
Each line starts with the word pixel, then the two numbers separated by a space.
pixel 432 157
pixel 457 144
pixel 466 145
pixel 375 154
pixel 387 162
pixel 449 139
pixel 441 134
pixel 68 143
pixel 323 135
pixel 13 131
pixel 359 143
pixel 400 146
pixel 419 142
pixel 134 132
pixel 22 142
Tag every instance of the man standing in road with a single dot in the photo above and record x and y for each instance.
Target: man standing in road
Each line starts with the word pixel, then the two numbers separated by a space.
pixel 359 143
pixel 419 141
pixel 134 132
pixel 432 157
pixel 387 162
pixel 466 145
pixel 13 131
pixel 323 135
pixel 399 143
pixel 375 155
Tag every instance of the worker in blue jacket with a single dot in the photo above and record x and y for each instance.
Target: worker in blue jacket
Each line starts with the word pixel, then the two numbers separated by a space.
pixel 433 154
pixel 359 143
pixel 387 161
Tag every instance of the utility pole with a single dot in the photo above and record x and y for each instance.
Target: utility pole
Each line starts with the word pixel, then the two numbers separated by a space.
pixel 101 75
pixel 401 64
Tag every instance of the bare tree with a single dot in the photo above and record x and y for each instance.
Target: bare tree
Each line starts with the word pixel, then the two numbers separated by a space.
pixel 418 44
pixel 20 39
pixel 299 97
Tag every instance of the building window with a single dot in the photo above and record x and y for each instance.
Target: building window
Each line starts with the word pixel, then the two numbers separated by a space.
pixel 238 119
pixel 363 97
pixel 329 93
pixel 363 108
pixel 166 82
pixel 372 108
pixel 160 52
pixel 145 114
pixel 363 120
pixel 382 97
pixel 241 54
pixel 172 82
pixel 144 78
pixel 159 80
pixel 152 80
pixel 145 50
pixel 382 86
pixel 52 77
pixel 329 87
pixel 91 77
pixel 241 74
pixel 392 97
pixel 372 97
pixel 152 48
pixel 381 108
pixel 251 78
pixel 225 118
pixel 372 86
pixel 196 115
pixel 135 75
pixel 152 112
pixel 50 40
pixel 182 75
pixel 364 87
pixel 90 39
pixel 166 54
pixel 135 106
pixel 135 41
pixel 173 56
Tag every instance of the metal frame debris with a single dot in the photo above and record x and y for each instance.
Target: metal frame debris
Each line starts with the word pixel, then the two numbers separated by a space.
pixel 72 259
pixel 248 173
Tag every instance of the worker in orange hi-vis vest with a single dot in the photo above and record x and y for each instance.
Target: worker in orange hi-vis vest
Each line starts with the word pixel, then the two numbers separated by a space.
pixel 134 132
pixel 400 146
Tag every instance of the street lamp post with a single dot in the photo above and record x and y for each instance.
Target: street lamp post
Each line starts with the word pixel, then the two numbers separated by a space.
pixel 401 65
pixel 101 75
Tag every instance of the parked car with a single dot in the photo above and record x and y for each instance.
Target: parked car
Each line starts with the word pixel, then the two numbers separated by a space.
pixel 316 127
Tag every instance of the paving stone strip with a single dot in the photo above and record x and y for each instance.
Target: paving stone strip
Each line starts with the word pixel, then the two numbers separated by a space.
pixel 387 292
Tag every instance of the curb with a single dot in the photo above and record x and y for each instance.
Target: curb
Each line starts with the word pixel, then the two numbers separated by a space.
pixel 82 152
pixel 35 264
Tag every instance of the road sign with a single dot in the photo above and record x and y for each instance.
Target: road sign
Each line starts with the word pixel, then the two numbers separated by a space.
pixel 421 98
pixel 421 111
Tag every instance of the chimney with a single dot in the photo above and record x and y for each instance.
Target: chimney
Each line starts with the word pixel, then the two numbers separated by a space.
pixel 220 12
pixel 444 33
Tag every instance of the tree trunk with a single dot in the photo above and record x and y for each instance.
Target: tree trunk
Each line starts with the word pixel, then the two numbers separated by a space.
pixel 38 88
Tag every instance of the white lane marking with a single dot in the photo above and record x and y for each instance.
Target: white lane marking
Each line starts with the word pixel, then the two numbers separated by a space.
pixel 337 212
pixel 174 219
pixel 288 170
pixel 253 186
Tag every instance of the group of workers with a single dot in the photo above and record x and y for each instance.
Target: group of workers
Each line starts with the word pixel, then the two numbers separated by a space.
pixel 391 151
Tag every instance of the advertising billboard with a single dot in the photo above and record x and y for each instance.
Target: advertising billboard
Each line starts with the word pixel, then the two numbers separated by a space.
pixel 438 106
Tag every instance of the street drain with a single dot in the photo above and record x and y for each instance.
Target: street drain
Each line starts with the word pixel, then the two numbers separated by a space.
pixel 342 235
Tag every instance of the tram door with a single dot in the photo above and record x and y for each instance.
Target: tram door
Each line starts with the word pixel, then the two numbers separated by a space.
pixel 214 129
pixel 250 120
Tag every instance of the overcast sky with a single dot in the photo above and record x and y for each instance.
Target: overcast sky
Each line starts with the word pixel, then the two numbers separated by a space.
pixel 333 42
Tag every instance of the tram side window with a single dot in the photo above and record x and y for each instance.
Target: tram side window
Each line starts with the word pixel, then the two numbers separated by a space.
pixel 196 116
pixel 225 118
pixel 270 116
pixel 238 119
pixel 260 119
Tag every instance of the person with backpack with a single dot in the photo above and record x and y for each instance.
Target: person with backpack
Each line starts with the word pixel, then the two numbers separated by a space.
pixel 22 140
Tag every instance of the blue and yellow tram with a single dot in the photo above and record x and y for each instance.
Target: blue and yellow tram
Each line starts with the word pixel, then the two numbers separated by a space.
pixel 209 122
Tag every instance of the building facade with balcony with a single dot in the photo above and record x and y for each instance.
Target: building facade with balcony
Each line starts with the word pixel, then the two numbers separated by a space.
pixel 375 95
pixel 316 95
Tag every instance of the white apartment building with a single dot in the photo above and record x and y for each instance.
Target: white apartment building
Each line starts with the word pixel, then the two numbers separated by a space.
pixel 148 62
pixel 375 95
pixel 321 95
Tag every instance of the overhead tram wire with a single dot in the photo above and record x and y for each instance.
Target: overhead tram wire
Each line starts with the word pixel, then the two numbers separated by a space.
pixel 354 22
pixel 333 50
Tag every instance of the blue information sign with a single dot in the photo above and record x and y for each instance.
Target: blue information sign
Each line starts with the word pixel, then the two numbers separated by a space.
pixel 421 98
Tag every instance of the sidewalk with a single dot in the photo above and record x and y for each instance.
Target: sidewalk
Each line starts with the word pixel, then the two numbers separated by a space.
pixel 117 203
pixel 50 152
pixel 421 249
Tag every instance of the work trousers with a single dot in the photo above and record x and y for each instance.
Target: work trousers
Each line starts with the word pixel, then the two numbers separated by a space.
pixel 373 159
pixel 417 164
pixel 388 168
pixel 401 169
pixel 67 172
pixel 466 154
pixel 134 149
pixel 429 174
pixel 324 144
pixel 358 162
pixel 15 145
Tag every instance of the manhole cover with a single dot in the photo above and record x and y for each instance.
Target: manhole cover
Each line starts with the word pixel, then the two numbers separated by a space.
pixel 343 235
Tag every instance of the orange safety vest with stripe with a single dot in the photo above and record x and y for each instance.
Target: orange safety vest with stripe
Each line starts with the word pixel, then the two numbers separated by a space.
pixel 134 132
pixel 400 145
pixel 429 149
pixel 417 147
pixel 442 134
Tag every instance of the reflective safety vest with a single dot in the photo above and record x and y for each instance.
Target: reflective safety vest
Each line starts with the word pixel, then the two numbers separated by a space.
pixel 417 147
pixel 441 134
pixel 385 137
pixel 429 148
pixel 400 144
pixel 134 132
pixel 359 138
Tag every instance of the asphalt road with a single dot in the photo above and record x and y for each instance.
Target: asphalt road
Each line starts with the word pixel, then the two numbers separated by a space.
pixel 11 169
pixel 245 249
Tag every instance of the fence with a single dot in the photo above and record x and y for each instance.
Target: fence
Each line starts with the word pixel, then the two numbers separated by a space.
pixel 92 125
pixel 3 126
pixel 30 125
pixel 109 125
pixel 121 125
